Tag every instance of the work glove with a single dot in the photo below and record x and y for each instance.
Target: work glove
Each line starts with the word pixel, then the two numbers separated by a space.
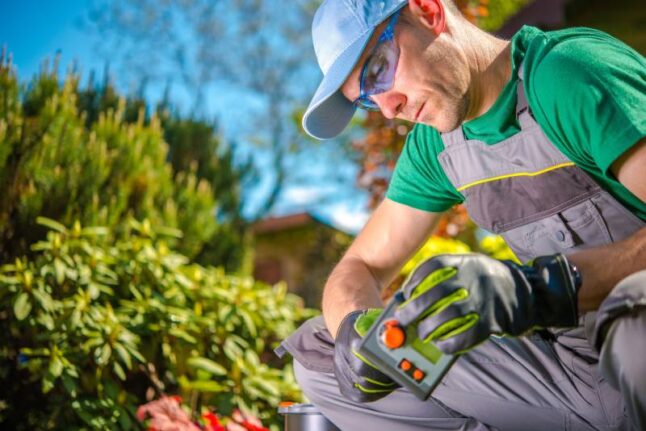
pixel 359 379
pixel 458 301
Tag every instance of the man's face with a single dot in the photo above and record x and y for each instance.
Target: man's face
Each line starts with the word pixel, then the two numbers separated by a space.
pixel 431 81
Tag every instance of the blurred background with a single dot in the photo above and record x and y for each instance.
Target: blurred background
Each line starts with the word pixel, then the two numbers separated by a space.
pixel 165 222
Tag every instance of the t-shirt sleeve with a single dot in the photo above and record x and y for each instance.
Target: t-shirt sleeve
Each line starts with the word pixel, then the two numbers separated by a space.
pixel 418 180
pixel 591 93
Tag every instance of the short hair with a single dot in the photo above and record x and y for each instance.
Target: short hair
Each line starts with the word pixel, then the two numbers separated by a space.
pixel 450 7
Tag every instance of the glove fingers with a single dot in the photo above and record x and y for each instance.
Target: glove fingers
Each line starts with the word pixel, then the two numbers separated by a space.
pixel 450 322
pixel 368 371
pixel 431 301
pixel 422 271
pixel 463 341
pixel 358 379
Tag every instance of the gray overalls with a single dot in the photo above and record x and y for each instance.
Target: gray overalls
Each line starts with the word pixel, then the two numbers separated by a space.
pixel 526 190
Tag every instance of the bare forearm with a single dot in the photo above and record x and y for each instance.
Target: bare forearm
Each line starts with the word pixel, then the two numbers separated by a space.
pixel 603 267
pixel 351 287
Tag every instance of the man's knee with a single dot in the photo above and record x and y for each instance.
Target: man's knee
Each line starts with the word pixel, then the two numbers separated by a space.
pixel 626 300
pixel 622 340
pixel 624 348
pixel 317 387
pixel 398 411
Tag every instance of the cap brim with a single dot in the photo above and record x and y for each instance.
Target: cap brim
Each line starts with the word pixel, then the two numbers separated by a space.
pixel 329 111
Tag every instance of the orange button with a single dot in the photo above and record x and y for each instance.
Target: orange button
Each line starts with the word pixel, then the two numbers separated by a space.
pixel 405 365
pixel 393 336
pixel 418 374
pixel 391 322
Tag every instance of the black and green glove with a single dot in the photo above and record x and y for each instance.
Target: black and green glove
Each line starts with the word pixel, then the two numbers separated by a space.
pixel 359 379
pixel 458 301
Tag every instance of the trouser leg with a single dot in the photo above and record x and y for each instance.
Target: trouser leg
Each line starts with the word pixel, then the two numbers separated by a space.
pixel 621 333
pixel 399 411
pixel 532 383
pixel 523 383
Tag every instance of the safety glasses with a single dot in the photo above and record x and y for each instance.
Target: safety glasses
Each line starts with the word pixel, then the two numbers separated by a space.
pixel 378 73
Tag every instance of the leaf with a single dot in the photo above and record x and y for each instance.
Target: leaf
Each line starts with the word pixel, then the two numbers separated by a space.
pixel 44 298
pixel 70 386
pixel 168 231
pixel 183 280
pixel 43 351
pixel 22 306
pixel 135 353
pixel 59 267
pixel 46 320
pixel 52 224
pixel 102 354
pixel 95 231
pixel 48 383
pixel 179 333
pixel 55 366
pixel 91 342
pixel 124 419
pixel 249 323
pixel 206 386
pixel 124 355
pixel 232 350
pixel 9 279
pixel 118 370
pixel 269 387
pixel 207 365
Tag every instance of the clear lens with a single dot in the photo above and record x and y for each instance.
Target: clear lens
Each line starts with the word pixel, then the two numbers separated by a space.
pixel 380 69
pixel 378 73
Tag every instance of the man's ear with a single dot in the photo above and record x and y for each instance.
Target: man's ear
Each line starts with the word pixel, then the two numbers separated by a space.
pixel 430 13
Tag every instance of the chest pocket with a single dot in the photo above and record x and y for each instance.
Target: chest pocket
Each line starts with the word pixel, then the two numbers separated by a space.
pixel 596 221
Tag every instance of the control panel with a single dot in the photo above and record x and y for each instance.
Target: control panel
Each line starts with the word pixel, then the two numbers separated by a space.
pixel 398 352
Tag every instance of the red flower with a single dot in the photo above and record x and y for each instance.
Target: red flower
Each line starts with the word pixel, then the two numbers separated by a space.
pixel 166 414
pixel 249 422
pixel 212 422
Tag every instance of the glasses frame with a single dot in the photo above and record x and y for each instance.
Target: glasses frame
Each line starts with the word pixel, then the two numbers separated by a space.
pixel 387 36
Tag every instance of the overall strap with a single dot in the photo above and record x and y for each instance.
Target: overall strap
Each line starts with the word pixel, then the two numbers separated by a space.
pixel 454 137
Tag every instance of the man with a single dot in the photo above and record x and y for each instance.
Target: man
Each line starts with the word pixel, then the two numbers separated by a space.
pixel 542 138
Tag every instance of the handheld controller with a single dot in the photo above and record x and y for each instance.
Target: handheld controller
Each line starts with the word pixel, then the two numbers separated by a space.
pixel 400 354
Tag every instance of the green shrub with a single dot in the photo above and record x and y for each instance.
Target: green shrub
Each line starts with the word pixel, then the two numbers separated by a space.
pixel 87 154
pixel 97 321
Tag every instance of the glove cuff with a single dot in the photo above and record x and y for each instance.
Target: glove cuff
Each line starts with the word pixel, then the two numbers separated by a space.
pixel 556 283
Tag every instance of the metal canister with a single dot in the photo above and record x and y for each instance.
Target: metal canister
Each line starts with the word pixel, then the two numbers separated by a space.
pixel 305 417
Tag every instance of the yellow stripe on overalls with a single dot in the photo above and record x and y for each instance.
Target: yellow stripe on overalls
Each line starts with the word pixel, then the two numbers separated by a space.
pixel 517 174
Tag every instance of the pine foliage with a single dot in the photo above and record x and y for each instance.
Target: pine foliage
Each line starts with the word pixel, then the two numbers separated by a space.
pixel 71 154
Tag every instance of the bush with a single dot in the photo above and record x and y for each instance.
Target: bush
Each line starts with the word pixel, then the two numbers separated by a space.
pixel 97 321
pixel 89 155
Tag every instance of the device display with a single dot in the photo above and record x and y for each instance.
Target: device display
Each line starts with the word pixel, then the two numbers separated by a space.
pixel 400 354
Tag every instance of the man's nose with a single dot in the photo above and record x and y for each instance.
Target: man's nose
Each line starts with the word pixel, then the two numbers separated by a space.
pixel 391 103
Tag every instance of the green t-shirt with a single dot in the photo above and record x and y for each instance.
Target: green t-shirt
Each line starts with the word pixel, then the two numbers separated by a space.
pixel 587 91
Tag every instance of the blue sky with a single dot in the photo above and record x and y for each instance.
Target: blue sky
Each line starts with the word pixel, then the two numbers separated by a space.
pixel 35 30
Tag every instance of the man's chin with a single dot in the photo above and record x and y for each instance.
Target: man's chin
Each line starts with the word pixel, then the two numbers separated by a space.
pixel 444 126
pixel 448 123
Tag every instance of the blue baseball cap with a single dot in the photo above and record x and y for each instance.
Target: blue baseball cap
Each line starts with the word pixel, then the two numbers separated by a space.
pixel 340 32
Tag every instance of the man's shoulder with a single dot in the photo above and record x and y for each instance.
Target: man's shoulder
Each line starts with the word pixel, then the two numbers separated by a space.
pixel 425 137
pixel 578 52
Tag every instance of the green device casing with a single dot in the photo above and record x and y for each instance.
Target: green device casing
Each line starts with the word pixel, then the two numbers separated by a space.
pixel 424 357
